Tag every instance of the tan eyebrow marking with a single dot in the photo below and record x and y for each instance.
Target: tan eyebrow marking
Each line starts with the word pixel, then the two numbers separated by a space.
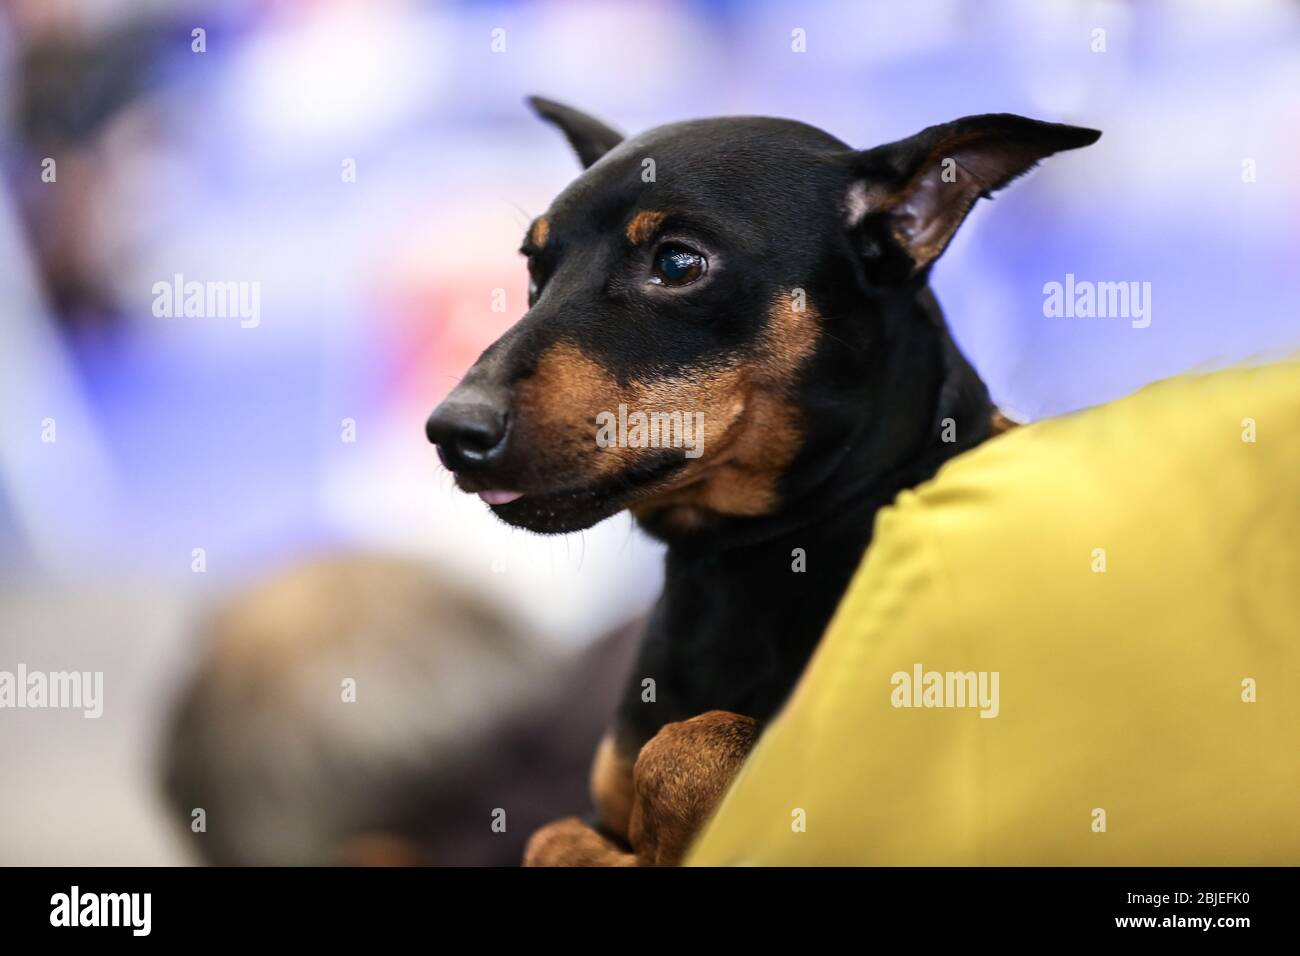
pixel 540 232
pixel 643 225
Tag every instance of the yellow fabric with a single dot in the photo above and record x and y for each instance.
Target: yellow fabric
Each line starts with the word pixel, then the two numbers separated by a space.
pixel 1120 690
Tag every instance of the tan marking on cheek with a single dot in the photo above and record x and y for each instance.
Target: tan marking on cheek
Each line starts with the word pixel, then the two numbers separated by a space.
pixel 540 232
pixel 558 405
pixel 714 393
pixel 562 400
pixel 643 225
pixel 761 432
pixel 752 428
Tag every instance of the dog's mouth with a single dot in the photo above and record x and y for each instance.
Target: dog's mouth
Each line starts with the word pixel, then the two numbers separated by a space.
pixel 566 508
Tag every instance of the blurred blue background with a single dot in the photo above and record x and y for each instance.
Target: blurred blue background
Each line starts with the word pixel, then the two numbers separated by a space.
pixel 232 164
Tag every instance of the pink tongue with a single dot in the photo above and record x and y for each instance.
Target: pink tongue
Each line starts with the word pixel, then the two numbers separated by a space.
pixel 500 497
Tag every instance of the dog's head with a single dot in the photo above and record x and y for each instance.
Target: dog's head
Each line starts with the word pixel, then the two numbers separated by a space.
pixel 704 302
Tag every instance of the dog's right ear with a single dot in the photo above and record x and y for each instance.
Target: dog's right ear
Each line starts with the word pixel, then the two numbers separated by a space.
pixel 590 138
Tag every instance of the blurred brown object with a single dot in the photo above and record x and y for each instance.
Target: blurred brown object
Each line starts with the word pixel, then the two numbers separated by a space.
pixel 456 715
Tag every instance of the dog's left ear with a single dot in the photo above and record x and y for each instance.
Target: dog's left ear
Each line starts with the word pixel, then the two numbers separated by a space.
pixel 590 138
pixel 910 196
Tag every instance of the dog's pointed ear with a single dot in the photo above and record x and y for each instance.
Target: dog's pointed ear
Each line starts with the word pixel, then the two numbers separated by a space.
pixel 909 197
pixel 590 138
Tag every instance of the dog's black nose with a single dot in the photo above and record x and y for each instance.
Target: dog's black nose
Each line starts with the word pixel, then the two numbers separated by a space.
pixel 470 432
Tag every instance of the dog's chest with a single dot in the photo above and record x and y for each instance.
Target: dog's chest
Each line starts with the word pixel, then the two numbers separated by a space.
pixel 738 630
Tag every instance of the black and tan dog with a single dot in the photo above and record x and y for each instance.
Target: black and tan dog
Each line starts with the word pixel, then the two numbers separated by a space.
pixel 764 279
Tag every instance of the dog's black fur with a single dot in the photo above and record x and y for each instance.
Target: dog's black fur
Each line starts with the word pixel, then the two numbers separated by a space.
pixel 852 391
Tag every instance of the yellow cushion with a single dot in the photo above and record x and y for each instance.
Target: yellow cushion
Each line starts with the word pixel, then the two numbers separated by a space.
pixel 1121 692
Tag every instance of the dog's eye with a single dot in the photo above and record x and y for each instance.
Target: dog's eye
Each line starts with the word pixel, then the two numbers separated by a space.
pixel 677 265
